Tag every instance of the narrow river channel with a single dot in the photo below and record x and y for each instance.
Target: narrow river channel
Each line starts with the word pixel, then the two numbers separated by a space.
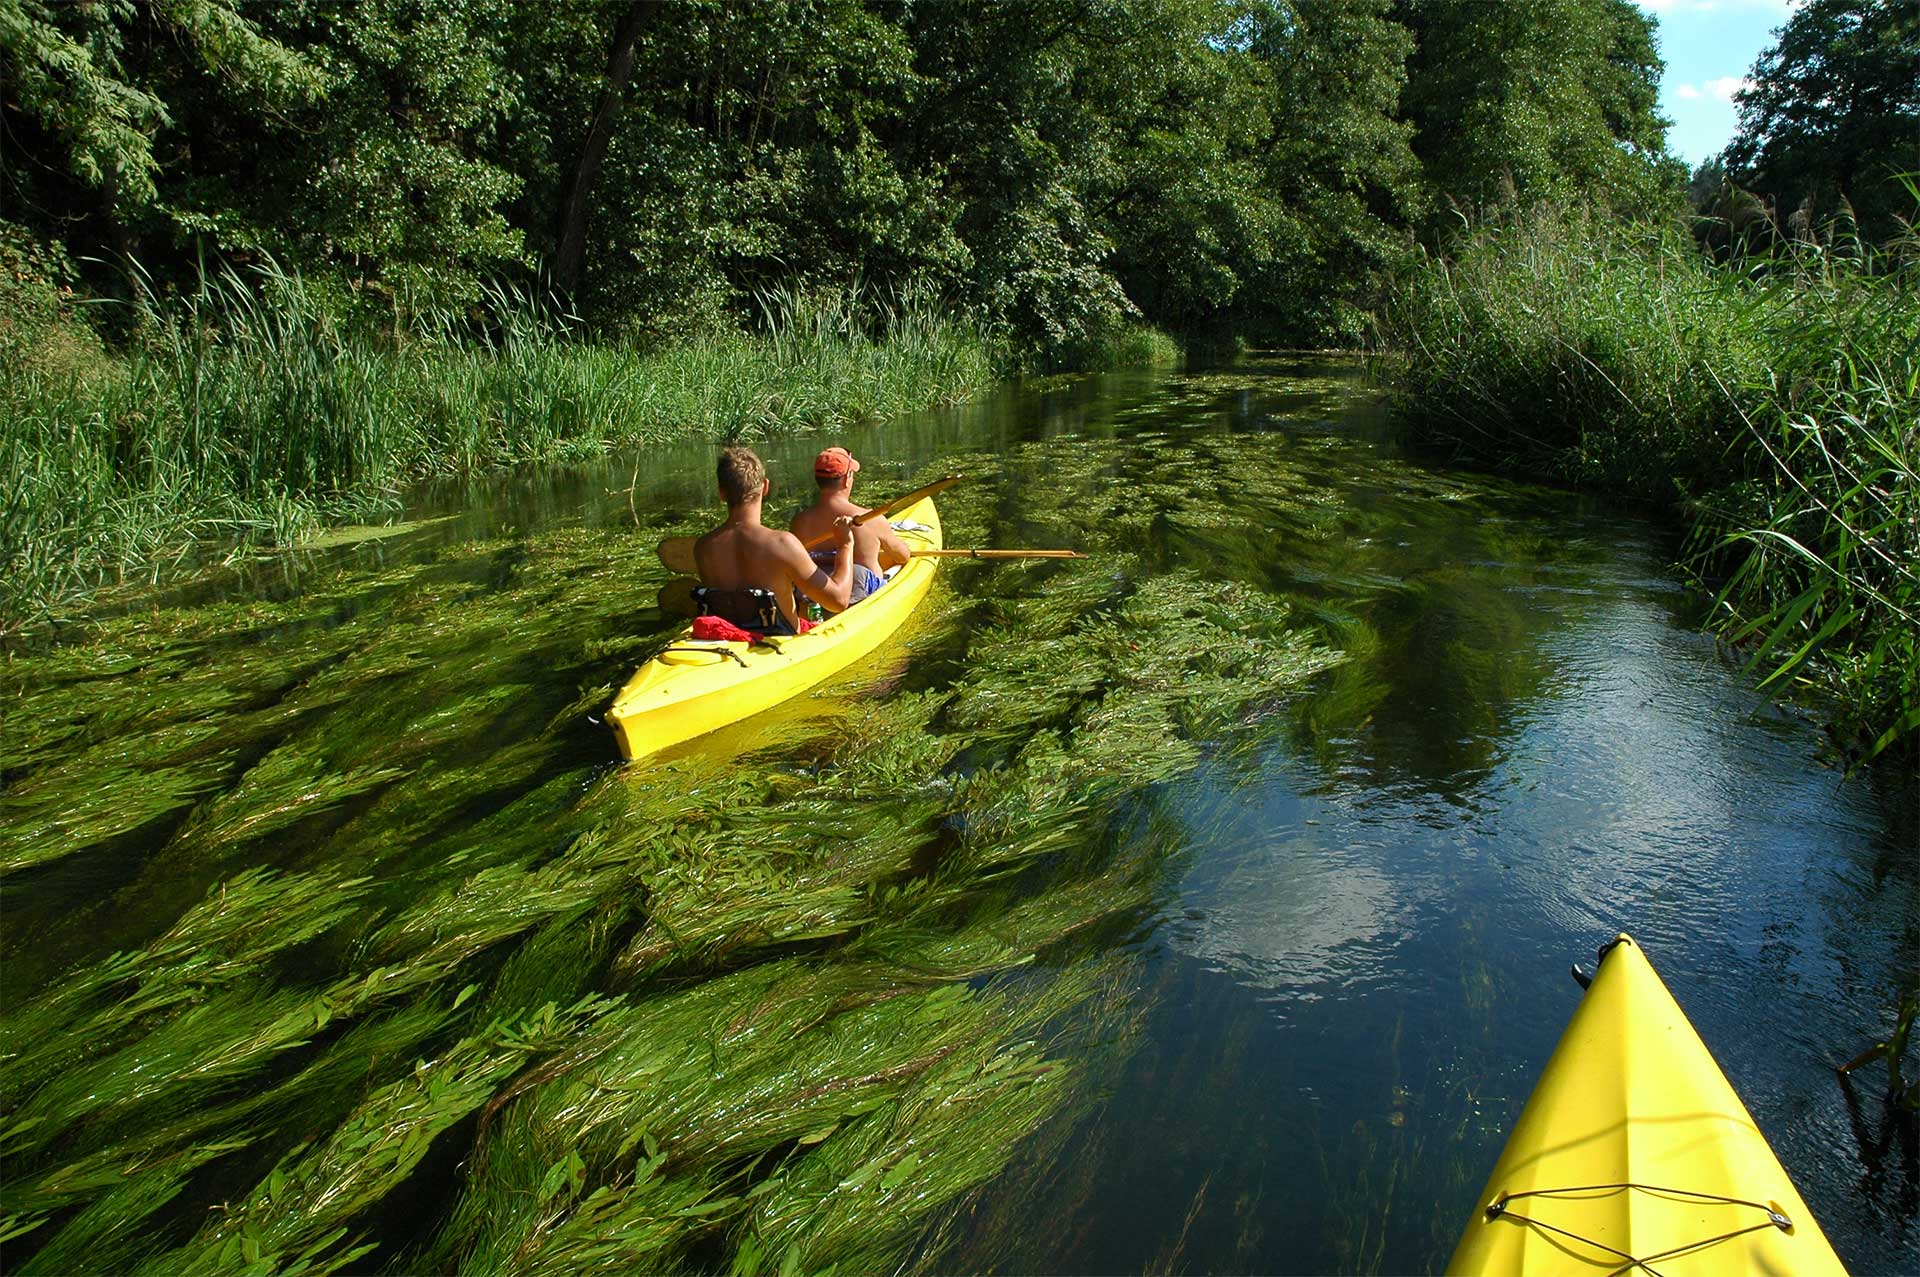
pixel 1205 906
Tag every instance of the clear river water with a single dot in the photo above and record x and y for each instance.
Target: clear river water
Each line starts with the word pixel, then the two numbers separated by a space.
pixel 1232 875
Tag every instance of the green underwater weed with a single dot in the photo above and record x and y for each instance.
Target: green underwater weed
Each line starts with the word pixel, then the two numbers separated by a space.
pixel 394 927
pixel 295 1220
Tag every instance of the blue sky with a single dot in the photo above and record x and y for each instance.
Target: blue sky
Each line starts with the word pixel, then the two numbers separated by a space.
pixel 1709 47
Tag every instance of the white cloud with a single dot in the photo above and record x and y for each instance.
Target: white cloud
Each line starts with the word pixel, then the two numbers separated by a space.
pixel 1726 86
pixel 1719 90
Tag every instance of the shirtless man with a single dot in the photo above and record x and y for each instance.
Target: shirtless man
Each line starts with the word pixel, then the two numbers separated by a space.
pixel 876 547
pixel 742 555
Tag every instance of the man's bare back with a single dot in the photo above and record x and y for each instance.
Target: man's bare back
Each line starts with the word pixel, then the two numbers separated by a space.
pixel 744 554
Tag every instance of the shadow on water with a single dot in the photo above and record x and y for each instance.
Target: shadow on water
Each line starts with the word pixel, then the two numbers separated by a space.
pixel 1204 906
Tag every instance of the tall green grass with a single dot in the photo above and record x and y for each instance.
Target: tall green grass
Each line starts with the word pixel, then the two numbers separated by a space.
pixel 246 413
pixel 1772 402
pixel 1121 346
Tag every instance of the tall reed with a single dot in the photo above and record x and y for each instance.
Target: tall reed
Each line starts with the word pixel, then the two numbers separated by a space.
pixel 246 412
pixel 1770 402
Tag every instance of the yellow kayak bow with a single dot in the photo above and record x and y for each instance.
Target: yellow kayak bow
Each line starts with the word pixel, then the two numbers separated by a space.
pixel 1634 1156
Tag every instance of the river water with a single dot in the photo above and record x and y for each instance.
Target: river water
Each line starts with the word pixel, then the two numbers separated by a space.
pixel 1330 923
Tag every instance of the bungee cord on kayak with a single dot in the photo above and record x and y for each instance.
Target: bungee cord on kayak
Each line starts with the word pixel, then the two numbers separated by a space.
pixel 708 650
pixel 1499 1209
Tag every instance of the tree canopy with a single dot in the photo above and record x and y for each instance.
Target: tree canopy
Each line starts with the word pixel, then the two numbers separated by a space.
pixel 1058 165
pixel 1832 119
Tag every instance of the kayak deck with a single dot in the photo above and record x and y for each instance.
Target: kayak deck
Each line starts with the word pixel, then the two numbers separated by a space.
pixel 694 686
pixel 1634 1155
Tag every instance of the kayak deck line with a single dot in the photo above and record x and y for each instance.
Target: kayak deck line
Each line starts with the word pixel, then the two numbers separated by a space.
pixel 1634 1154
pixel 1500 1208
pixel 713 649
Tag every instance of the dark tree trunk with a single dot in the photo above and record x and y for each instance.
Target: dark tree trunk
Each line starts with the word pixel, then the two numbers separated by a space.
pixel 573 217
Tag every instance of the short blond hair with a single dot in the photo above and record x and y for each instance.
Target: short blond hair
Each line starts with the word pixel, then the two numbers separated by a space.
pixel 741 472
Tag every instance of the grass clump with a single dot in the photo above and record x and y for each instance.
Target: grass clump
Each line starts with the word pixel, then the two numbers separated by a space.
pixel 1122 345
pixel 1770 403
pixel 246 414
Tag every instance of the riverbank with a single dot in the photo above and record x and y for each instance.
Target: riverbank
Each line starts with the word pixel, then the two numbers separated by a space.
pixel 248 417
pixel 1769 405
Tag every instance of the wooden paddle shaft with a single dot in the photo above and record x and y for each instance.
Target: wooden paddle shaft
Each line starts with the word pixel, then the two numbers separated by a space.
pixel 998 554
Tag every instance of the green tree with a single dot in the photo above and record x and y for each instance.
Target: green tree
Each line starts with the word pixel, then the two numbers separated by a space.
pixel 1337 166
pixel 572 235
pixel 394 185
pixel 1833 117
pixel 1016 114
pixel 756 146
pixel 1706 182
pixel 1531 101
pixel 87 100
pixel 1174 115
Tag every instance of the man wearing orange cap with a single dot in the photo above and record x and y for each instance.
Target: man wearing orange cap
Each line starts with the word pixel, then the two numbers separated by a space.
pixel 875 545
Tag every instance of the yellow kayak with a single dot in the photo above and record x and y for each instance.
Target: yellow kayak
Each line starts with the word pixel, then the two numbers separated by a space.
pixel 693 686
pixel 1634 1156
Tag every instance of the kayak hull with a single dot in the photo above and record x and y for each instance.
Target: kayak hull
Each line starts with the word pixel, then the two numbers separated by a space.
pixel 693 687
pixel 1629 1148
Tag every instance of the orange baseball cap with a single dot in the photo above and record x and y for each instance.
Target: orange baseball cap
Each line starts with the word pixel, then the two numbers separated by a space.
pixel 833 463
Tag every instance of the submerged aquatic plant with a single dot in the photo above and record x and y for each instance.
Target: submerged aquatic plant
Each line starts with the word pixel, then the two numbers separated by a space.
pixel 384 923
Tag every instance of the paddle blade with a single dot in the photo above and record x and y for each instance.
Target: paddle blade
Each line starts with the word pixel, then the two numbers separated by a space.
pixel 677 596
pixel 676 554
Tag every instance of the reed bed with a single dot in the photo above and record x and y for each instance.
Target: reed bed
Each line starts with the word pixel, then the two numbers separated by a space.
pixel 246 415
pixel 397 972
pixel 1769 402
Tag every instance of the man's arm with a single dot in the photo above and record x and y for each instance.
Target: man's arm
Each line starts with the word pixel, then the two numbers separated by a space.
pixel 893 551
pixel 833 592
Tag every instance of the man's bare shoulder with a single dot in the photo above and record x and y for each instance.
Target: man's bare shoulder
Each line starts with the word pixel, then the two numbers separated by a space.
pixel 779 537
pixel 820 514
pixel 781 545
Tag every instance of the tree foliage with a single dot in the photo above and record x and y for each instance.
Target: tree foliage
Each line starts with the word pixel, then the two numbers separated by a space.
pixel 1533 101
pixel 1338 167
pixel 1832 119
pixel 1060 167
pixel 74 75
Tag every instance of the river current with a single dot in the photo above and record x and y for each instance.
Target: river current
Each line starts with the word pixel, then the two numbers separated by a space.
pixel 1351 901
